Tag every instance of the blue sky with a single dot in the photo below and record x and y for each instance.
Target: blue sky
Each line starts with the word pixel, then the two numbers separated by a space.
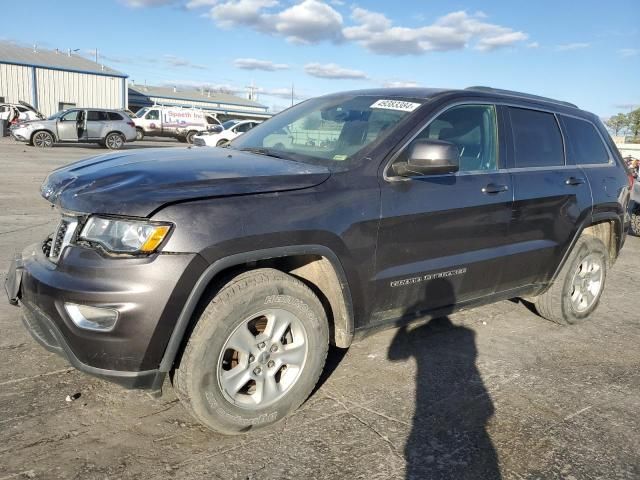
pixel 586 52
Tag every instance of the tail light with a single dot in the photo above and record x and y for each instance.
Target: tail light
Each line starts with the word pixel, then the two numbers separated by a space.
pixel 131 124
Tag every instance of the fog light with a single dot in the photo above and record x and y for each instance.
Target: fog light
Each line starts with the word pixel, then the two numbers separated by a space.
pixel 92 318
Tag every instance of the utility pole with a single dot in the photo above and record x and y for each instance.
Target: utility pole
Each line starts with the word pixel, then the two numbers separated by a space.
pixel 96 55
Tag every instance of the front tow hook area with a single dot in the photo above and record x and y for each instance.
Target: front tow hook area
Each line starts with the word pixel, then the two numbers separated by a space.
pixel 13 281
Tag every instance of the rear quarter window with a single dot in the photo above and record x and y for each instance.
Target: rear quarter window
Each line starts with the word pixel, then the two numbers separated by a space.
pixel 114 116
pixel 584 144
pixel 537 140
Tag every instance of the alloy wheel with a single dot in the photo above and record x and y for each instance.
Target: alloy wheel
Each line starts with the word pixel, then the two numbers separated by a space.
pixel 262 359
pixel 587 281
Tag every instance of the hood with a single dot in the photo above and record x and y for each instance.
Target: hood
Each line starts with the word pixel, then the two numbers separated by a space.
pixel 139 182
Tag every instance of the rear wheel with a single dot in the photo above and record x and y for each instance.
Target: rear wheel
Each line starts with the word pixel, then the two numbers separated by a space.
pixel 42 139
pixel 114 141
pixel 255 354
pixel 576 292
pixel 190 136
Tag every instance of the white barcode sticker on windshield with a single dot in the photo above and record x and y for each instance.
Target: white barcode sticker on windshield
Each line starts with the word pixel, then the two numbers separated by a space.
pixel 396 105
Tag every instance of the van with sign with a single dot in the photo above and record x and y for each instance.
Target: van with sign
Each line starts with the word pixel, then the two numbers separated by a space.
pixel 177 122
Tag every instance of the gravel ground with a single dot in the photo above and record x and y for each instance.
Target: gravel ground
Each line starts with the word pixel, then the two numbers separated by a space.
pixel 493 392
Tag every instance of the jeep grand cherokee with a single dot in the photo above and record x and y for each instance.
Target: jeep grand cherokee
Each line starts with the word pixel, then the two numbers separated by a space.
pixel 234 268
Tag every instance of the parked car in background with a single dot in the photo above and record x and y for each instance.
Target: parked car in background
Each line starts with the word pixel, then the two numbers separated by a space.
pixel 234 269
pixel 109 128
pixel 180 123
pixel 19 112
pixel 230 130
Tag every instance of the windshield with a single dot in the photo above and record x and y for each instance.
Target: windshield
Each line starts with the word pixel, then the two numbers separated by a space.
pixel 327 131
pixel 56 115
pixel 228 124
pixel 140 113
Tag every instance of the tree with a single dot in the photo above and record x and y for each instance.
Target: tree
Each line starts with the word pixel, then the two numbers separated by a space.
pixel 634 122
pixel 617 123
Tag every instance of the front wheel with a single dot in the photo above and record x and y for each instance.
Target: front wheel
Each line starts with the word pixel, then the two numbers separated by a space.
pixel 255 354
pixel 42 139
pixel 576 292
pixel 139 134
pixel 222 143
pixel 114 141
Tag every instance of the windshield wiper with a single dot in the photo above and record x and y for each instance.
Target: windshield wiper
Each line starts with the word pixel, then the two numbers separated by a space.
pixel 261 151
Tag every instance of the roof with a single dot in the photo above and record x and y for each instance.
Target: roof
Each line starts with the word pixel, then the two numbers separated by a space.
pixel 427 93
pixel 58 60
pixel 192 95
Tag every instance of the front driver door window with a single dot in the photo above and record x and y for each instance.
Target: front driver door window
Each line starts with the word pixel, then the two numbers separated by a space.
pixel 442 236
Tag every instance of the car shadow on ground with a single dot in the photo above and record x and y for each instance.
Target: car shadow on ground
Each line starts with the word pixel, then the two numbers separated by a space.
pixel 448 438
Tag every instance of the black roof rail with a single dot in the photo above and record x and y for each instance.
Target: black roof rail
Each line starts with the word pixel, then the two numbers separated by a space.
pixel 513 93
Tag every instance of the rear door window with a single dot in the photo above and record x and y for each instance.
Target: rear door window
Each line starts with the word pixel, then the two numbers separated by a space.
pixel 537 141
pixel 584 143
pixel 97 116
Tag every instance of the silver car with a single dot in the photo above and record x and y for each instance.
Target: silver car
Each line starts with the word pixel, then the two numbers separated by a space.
pixel 109 128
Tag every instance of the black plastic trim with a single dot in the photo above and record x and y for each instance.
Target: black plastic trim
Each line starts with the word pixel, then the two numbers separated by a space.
pixel 175 341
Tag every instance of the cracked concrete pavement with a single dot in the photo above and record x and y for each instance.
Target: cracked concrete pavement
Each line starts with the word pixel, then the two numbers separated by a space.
pixel 493 392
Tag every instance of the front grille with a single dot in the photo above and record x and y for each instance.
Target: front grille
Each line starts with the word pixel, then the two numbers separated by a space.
pixel 61 238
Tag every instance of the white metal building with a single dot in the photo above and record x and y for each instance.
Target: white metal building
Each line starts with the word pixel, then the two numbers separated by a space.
pixel 53 80
pixel 224 105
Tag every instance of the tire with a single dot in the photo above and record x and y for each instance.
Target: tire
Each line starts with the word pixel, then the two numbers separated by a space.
pixel 635 222
pixel 190 136
pixel 139 134
pixel 577 290
pixel 42 139
pixel 114 141
pixel 251 303
pixel 222 143
pixel 181 139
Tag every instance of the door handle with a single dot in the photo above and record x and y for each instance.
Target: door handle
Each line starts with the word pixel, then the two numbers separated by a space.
pixel 493 188
pixel 574 181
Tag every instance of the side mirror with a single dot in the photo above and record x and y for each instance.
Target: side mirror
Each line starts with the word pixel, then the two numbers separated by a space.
pixel 430 157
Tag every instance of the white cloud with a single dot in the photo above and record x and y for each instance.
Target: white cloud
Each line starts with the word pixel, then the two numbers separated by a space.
pixel 400 84
pixel 309 21
pixel 629 52
pixel 314 21
pixel 193 4
pixel 572 46
pixel 532 45
pixel 454 31
pixel 255 64
pixel 179 62
pixel 333 71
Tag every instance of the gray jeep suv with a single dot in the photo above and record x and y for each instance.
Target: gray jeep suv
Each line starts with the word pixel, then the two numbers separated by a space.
pixel 233 269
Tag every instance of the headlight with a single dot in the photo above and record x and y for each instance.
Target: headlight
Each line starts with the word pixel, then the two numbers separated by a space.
pixel 125 236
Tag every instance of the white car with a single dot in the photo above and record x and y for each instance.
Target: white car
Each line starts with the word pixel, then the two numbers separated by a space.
pixel 23 110
pixel 230 130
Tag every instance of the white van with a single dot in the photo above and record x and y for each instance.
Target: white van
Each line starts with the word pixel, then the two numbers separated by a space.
pixel 177 122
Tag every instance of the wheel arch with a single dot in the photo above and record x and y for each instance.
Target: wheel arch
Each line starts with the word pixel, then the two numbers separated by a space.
pixel 53 134
pixel 605 226
pixel 316 265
